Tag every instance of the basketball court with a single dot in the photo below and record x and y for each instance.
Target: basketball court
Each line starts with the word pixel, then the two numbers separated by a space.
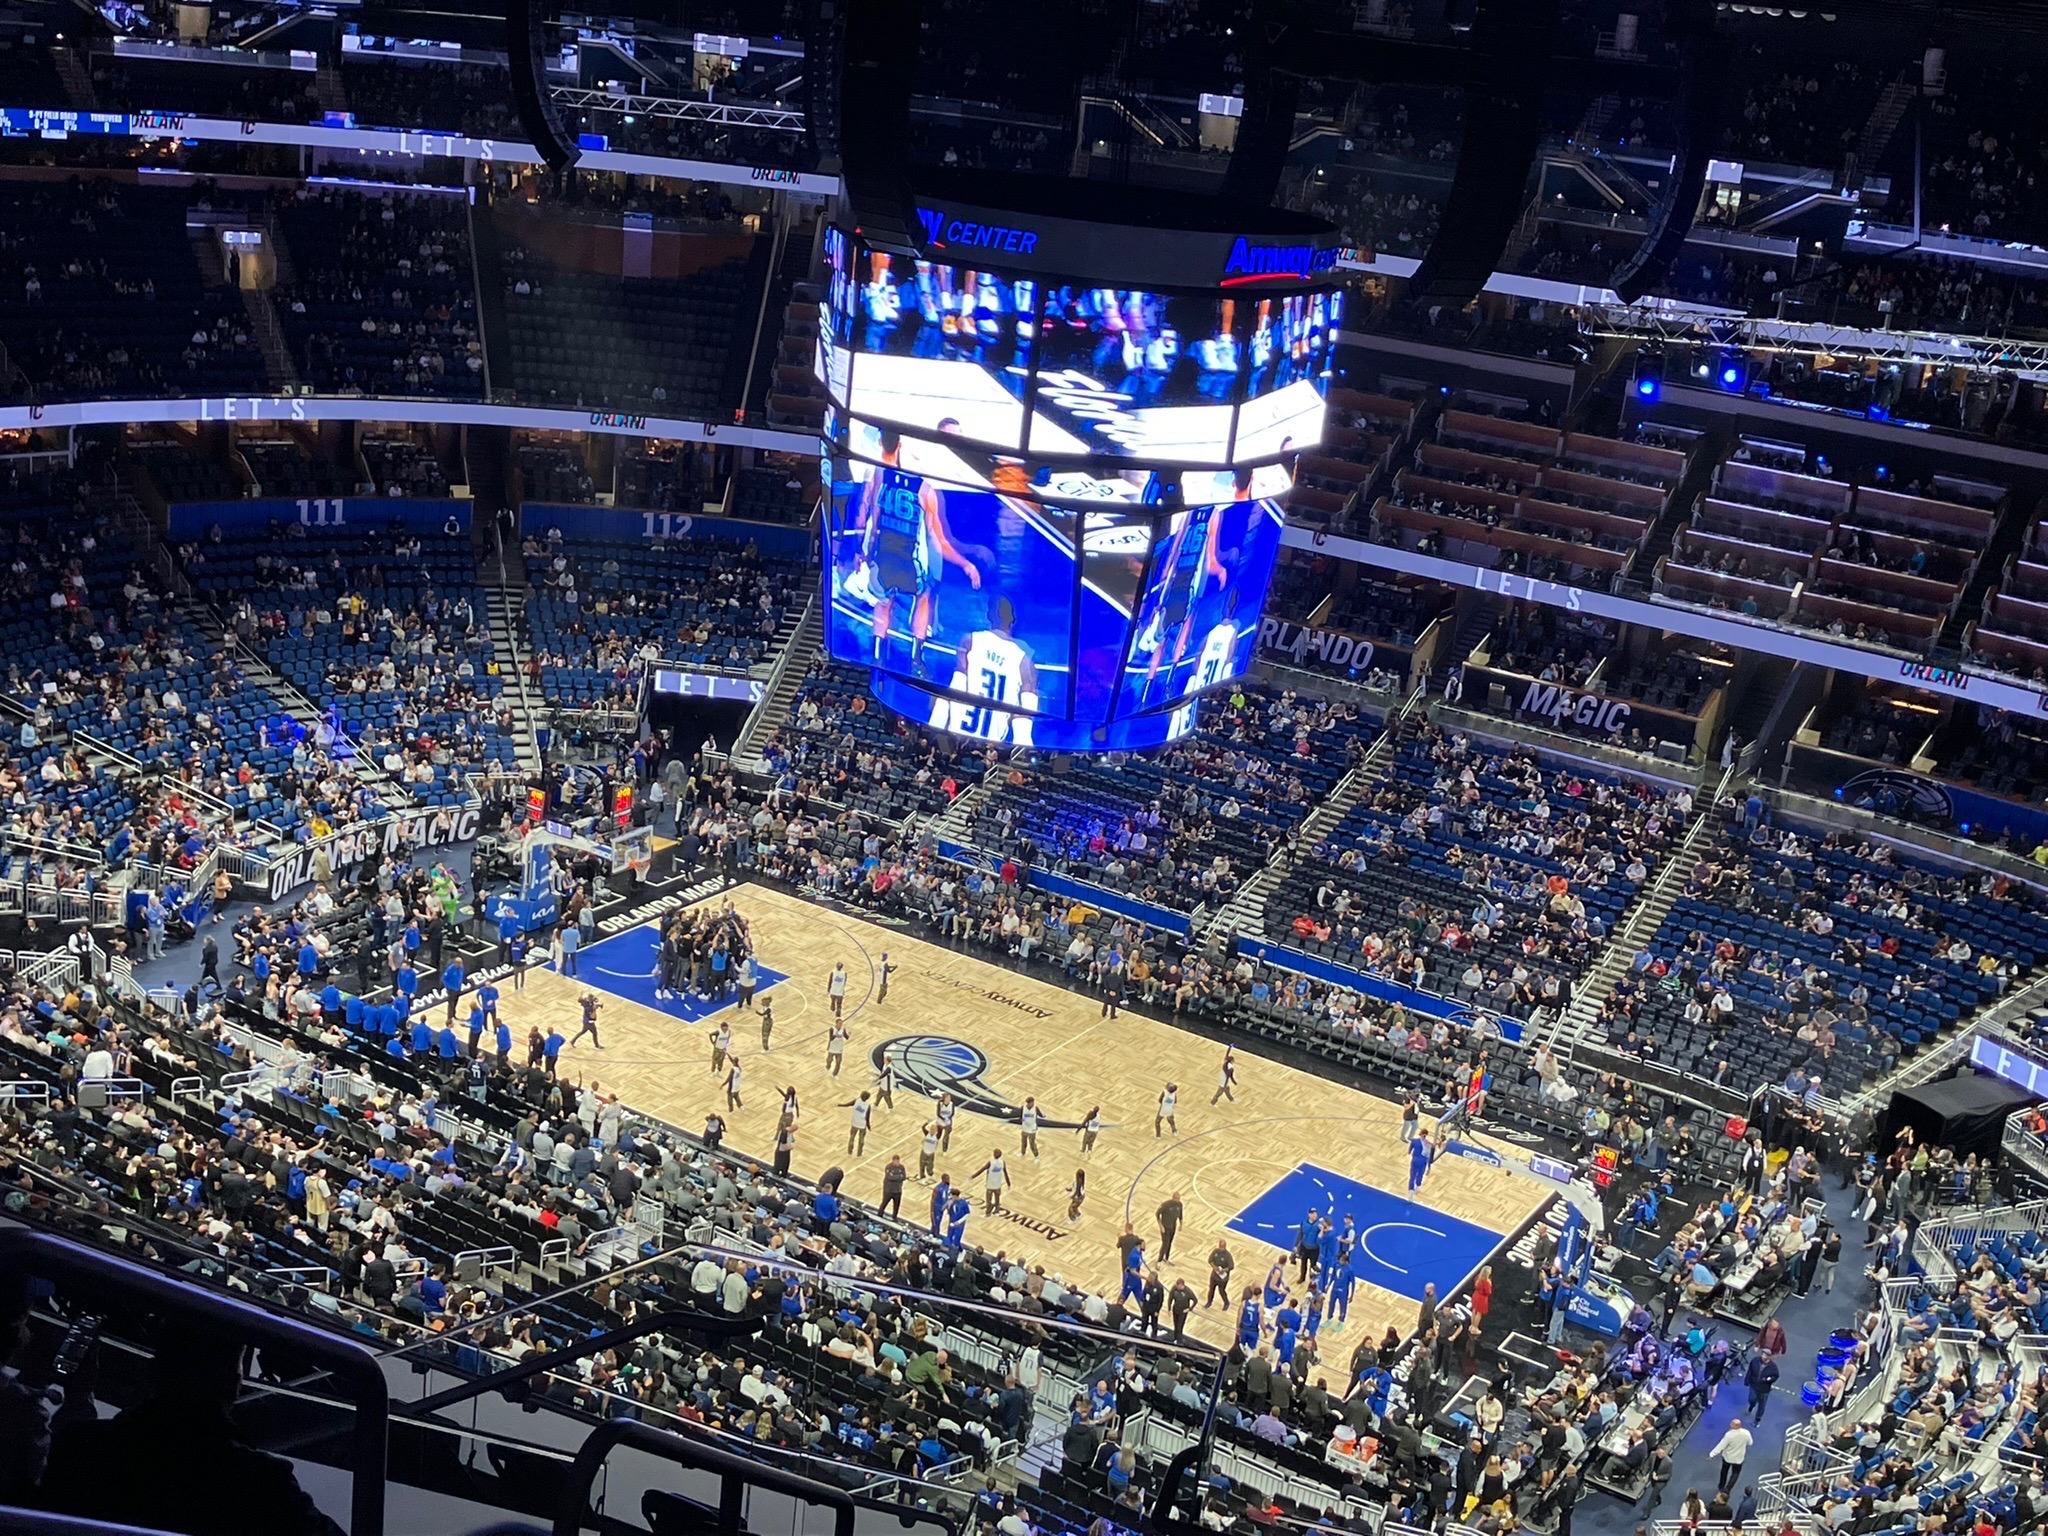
pixel 1247 1170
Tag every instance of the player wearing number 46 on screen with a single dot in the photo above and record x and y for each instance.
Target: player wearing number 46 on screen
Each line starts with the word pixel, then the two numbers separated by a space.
pixel 905 547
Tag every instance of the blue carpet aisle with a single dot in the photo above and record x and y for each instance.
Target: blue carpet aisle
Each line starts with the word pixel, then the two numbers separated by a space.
pixel 1807 1323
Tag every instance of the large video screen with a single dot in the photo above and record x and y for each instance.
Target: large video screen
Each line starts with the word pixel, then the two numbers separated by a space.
pixel 1062 370
pixel 835 335
pixel 942 348
pixel 1134 374
pixel 1198 616
pixel 959 587
pixel 1289 362
pixel 1140 733
pixel 1115 544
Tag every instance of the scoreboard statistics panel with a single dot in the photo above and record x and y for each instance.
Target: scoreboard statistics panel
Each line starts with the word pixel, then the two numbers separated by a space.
pixel 1055 504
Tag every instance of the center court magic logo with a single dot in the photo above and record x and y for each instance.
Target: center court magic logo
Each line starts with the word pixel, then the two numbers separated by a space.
pixel 934 1064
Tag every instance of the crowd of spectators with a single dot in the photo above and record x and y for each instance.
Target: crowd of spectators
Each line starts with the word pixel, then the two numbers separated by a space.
pixel 383 297
pixel 1982 149
pixel 1187 826
pixel 1479 871
pixel 1375 212
pixel 1828 956
pixel 842 748
pixel 600 611
pixel 99 296
pixel 384 629
pixel 1801 112
pixel 401 466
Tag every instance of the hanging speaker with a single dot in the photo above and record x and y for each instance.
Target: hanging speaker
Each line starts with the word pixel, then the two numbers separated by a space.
pixel 1702 76
pixel 1263 134
pixel 1503 122
pixel 880 41
pixel 537 116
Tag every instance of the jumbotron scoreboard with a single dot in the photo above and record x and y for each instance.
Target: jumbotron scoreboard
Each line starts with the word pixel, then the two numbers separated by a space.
pixel 1058 452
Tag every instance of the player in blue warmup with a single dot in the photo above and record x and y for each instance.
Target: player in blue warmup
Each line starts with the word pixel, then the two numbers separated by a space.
pixel 1418 1162
pixel 1341 1281
pixel 1134 1274
pixel 1286 1329
pixel 942 1197
pixel 1276 1285
pixel 957 1213
pixel 1251 1320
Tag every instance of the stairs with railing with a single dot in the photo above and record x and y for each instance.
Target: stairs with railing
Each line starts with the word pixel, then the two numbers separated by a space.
pixel 1885 116
pixel 269 334
pixel 1574 1024
pixel 1245 912
pixel 76 78
pixel 785 677
pixel 504 582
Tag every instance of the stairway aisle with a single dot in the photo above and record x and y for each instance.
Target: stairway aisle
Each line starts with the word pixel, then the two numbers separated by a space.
pixel 786 677
pixel 503 577
pixel 269 333
pixel 255 669
pixel 1643 920
pixel 1246 911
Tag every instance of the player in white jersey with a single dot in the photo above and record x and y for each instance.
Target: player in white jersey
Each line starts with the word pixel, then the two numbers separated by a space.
pixel 993 665
pixel 1219 651
pixel 884 305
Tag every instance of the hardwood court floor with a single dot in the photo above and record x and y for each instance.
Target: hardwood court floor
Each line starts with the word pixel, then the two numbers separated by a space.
pixel 1039 1040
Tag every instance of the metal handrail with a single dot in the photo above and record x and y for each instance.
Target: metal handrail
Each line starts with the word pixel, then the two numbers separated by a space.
pixel 44 1253
pixel 36 1522
pixel 735 1472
